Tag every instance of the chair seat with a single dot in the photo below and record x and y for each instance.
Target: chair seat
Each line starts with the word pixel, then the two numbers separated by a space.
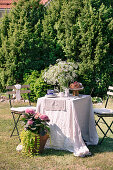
pixel 22 109
pixel 103 112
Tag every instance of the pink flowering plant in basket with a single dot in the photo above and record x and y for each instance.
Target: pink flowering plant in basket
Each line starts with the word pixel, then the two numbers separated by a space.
pixel 36 122
pixel 36 129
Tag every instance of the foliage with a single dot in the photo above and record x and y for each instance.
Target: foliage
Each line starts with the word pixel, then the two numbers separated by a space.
pixel 97 100
pixel 28 145
pixel 21 43
pixel 41 87
pixel 60 27
pixel 81 30
pixel 37 85
pixel 62 73
pixel 96 38
pixel 84 31
pixel 23 46
pixel 31 79
pixel 52 48
pixel 67 28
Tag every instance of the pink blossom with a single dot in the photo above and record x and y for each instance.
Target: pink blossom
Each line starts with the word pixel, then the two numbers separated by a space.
pixel 44 117
pixel 30 122
pixel 37 115
pixel 31 111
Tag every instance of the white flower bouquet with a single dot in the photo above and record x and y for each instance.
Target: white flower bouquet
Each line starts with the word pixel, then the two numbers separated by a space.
pixel 62 73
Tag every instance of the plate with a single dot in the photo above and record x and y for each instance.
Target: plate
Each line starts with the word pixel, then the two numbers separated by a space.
pixel 50 95
pixel 77 89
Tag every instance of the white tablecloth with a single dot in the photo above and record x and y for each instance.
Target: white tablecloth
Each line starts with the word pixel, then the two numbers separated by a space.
pixel 70 125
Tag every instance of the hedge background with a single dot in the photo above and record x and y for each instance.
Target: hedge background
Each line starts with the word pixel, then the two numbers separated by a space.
pixel 33 38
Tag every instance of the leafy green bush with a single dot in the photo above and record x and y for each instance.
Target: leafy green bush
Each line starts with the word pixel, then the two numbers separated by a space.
pixel 41 87
pixel 37 85
pixel 96 99
pixel 96 53
pixel 31 79
pixel 32 39
pixel 84 29
pixel 20 40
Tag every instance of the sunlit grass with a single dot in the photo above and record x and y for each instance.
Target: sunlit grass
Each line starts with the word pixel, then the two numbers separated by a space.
pixel 102 155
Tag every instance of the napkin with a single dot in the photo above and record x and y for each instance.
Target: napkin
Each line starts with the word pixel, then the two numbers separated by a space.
pixel 55 105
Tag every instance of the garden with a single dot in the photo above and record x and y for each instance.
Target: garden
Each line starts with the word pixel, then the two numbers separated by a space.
pixel 53 47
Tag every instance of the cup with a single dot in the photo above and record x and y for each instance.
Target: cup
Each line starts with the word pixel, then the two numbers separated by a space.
pixel 50 91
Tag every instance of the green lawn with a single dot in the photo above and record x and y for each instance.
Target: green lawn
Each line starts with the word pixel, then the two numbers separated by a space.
pixel 101 159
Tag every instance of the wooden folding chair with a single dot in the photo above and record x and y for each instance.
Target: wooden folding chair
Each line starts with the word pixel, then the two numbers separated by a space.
pixel 18 110
pixel 102 113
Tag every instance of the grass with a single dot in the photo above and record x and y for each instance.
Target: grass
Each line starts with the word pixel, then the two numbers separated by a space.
pixel 101 159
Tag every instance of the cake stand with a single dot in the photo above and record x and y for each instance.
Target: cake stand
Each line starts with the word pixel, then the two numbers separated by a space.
pixel 76 90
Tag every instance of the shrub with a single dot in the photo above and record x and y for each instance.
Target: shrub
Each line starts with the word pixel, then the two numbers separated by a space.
pixel 31 79
pixel 21 44
pixel 84 29
pixel 41 87
pixel 37 85
pixel 96 40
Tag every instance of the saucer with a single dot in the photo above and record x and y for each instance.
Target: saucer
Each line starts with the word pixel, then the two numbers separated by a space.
pixel 50 95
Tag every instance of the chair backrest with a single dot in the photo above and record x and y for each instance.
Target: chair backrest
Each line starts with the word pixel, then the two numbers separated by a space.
pixel 109 93
pixel 12 90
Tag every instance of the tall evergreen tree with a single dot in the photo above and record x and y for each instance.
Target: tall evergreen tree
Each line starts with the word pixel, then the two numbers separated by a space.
pixel 67 28
pixel 21 50
pixel 60 26
pixel 96 40
pixel 53 49
pixel 77 29
pixel 83 28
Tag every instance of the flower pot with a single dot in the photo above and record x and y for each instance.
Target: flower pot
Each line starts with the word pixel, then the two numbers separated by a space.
pixel 42 142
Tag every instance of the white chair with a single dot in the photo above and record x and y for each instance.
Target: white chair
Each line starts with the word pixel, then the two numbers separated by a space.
pixel 102 113
pixel 13 90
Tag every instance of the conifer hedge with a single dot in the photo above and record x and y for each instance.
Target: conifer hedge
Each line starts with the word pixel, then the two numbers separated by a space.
pixel 33 36
pixel 84 30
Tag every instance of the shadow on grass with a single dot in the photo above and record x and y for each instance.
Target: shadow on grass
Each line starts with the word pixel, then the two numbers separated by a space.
pixel 54 152
pixel 105 146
